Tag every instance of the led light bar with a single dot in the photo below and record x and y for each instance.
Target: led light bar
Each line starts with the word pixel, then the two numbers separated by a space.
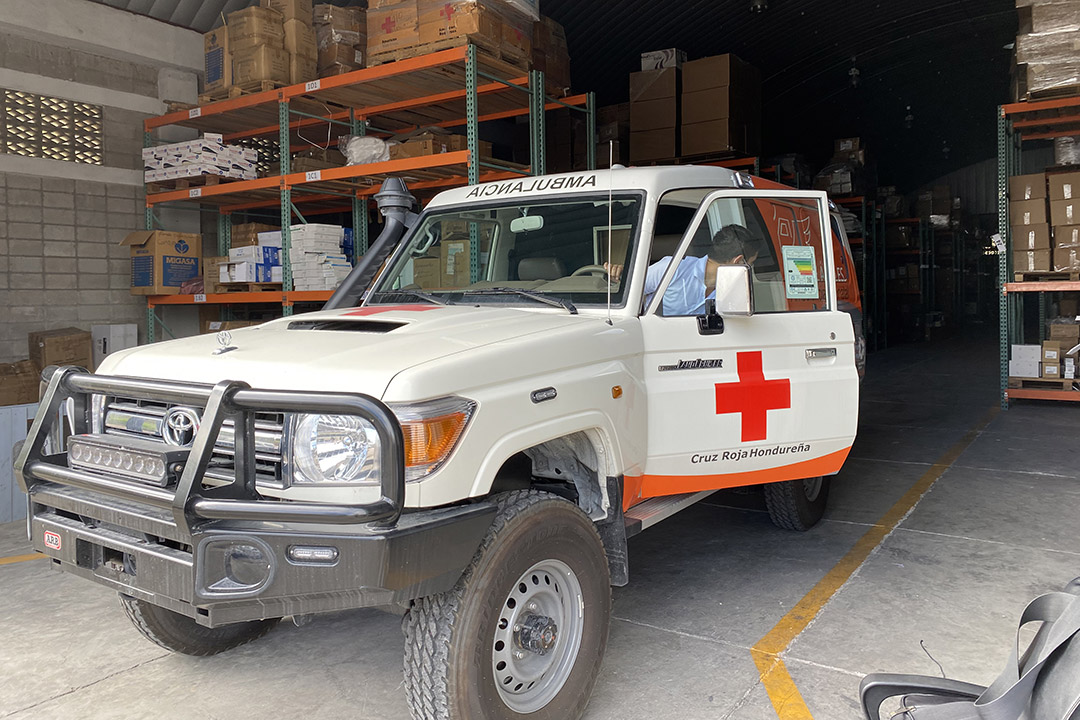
pixel 133 459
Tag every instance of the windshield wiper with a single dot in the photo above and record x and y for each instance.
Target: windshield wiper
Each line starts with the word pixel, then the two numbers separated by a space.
pixel 434 300
pixel 539 297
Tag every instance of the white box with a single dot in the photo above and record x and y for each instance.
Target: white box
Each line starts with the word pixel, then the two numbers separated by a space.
pixel 213 137
pixel 1024 368
pixel 270 238
pixel 256 254
pixel 1027 353
pixel 658 59
pixel 110 338
pixel 276 274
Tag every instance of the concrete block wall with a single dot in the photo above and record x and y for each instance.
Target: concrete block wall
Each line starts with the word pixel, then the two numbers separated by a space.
pixel 61 223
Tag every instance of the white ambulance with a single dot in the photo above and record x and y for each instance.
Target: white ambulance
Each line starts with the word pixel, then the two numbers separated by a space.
pixel 509 385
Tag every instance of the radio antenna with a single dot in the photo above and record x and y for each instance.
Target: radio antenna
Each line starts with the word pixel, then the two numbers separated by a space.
pixel 611 183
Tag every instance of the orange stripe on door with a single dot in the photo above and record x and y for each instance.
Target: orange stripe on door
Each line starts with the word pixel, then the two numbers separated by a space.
pixel 659 485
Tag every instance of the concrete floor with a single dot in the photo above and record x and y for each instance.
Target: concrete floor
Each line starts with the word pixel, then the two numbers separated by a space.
pixel 996 529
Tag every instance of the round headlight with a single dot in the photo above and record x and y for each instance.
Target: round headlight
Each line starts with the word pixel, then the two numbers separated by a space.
pixel 335 449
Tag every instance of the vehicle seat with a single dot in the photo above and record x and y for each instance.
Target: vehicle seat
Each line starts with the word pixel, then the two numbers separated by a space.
pixel 662 246
pixel 541 268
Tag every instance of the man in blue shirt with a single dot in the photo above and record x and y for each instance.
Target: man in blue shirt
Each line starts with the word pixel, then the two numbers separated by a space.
pixel 695 277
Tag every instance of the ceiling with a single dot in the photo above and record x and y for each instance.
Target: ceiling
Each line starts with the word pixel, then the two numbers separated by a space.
pixel 946 59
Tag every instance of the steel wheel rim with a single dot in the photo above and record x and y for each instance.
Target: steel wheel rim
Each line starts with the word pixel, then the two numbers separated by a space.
pixel 812 488
pixel 526 680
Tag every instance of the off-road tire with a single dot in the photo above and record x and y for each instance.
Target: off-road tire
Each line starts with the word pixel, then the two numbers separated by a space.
pixel 790 507
pixel 181 634
pixel 449 637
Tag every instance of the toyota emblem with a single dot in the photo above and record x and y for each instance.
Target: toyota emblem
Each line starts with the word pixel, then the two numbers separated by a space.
pixel 180 426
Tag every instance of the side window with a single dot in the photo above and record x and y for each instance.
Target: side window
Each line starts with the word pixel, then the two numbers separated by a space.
pixel 779 238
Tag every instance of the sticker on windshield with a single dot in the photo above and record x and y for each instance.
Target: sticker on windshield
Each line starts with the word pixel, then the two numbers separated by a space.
pixel 800 272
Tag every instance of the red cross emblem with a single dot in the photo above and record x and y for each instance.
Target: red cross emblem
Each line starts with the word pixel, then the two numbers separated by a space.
pixel 377 309
pixel 389 25
pixel 753 396
pixel 447 11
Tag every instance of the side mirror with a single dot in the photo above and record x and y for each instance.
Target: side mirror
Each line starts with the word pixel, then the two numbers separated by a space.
pixel 734 290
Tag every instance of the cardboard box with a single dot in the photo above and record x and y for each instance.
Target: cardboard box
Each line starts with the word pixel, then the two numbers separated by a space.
pixel 212 275
pixel 1065 186
pixel 302 69
pixel 341 55
pixel 714 136
pixel 1066 236
pixel 300 39
pixel 654 85
pixel 1031 237
pixel 243 234
pixel 1026 353
pixel 705 105
pixel 290 10
pixel 1027 187
pixel 1024 368
pixel 1066 259
pixel 654 144
pixel 426 272
pixel 393 27
pixel 454 263
pixel 1032 260
pixel 719 71
pixel 667 58
pixel 254 26
pixel 435 144
pixel 843 145
pixel 257 254
pixel 654 114
pixel 517 35
pixel 1027 212
pixel 1068 305
pixel 161 261
pixel 217 60
pixel 1065 212
pixel 1053 351
pixel 1067 333
pixel 264 62
pixel 551 53
pixel 464 19
pixel 1051 371
pixel 18 383
pixel 107 339
pixel 66 346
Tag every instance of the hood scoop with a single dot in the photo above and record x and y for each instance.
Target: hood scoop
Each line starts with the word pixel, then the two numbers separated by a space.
pixel 361 326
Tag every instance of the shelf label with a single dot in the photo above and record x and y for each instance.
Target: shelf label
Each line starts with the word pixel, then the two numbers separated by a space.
pixel 194 113
pixel 312 85
pixel 200 297
pixel 313 175
pixel 194 192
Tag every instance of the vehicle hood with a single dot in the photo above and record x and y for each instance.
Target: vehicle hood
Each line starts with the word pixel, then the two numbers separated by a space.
pixel 348 350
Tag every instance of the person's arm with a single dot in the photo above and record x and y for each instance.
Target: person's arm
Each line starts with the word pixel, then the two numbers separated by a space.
pixel 655 274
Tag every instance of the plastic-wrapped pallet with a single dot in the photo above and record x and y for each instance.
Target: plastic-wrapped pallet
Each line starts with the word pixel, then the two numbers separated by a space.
pixel 1048 45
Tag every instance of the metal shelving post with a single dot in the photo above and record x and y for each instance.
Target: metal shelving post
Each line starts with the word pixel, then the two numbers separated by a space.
pixel 285 162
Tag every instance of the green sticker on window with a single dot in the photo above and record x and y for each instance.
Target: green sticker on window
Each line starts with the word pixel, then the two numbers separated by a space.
pixel 800 273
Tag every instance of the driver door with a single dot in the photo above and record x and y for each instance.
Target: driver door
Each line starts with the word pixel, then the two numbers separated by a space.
pixel 772 397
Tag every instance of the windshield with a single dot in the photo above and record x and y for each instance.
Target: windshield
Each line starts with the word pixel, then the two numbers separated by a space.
pixel 548 252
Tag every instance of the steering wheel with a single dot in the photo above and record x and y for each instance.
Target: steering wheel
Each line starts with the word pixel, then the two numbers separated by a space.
pixel 589 270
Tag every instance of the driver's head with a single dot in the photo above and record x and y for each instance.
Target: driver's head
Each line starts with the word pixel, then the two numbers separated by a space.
pixel 733 244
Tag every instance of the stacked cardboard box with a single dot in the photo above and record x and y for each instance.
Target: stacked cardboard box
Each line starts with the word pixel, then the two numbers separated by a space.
pixel 18 383
pixel 432 142
pixel 721 106
pixel 257 43
pixel 551 55
pixel 654 114
pixel 1031 245
pixel 612 135
pixel 1067 333
pixel 1064 194
pixel 192 158
pixel 316 257
pixel 1056 362
pixel 217 60
pixel 1046 47
pixel 245 234
pixel 392 27
pixel 299 37
pixel 255 263
pixel 845 172
pixel 341 39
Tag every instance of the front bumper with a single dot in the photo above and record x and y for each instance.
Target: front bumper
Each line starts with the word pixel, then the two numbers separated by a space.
pixel 164 545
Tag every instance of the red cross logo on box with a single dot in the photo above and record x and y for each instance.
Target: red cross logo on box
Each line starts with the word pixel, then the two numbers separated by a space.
pixel 753 396
pixel 447 12
pixel 389 25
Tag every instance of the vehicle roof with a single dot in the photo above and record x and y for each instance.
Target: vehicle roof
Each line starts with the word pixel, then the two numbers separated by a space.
pixel 650 179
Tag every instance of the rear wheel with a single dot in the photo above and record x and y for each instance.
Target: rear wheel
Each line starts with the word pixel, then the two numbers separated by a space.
pixel 181 634
pixel 797 504
pixel 524 630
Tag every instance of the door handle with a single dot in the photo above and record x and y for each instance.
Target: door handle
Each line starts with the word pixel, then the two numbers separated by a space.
pixel 820 354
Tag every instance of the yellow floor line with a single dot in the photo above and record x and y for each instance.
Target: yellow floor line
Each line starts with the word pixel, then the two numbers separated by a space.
pixel 12 559
pixel 783 693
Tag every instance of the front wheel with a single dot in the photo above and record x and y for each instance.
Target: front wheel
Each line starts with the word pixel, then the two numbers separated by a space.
pixel 797 504
pixel 524 630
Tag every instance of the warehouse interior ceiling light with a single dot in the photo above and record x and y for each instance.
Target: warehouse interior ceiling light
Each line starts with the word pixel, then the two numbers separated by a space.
pixel 757 6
